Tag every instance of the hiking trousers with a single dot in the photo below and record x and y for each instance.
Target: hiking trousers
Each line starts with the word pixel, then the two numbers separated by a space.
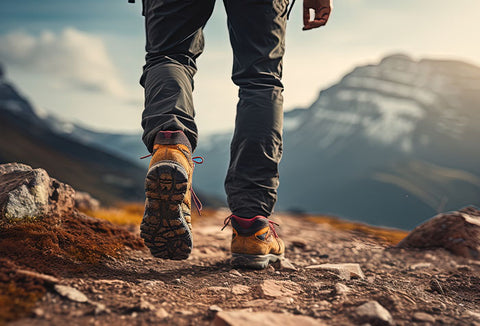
pixel 174 40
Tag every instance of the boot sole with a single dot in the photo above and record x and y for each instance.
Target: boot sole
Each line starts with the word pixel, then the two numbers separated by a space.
pixel 254 261
pixel 164 228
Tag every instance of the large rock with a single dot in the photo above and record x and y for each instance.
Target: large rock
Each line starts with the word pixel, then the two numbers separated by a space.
pixel 458 232
pixel 27 194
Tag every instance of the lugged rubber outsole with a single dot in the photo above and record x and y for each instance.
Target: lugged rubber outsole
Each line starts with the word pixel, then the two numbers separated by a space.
pixel 164 228
pixel 254 261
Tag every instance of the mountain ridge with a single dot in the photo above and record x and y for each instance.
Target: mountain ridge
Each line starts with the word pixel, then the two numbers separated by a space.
pixel 392 139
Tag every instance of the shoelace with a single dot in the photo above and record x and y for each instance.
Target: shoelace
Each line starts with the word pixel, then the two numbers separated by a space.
pixel 196 200
pixel 271 224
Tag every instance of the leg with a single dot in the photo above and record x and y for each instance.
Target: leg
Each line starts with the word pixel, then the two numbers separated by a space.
pixel 174 39
pixel 257 35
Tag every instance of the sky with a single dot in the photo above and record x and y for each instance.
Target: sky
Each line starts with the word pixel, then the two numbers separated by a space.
pixel 82 60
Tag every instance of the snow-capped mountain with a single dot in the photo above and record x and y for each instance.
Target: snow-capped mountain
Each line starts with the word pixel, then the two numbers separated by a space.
pixel 391 143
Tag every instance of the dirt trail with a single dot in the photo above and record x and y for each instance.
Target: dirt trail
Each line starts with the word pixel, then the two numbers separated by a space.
pixel 137 289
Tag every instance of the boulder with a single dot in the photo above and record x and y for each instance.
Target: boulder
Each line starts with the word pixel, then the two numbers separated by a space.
pixel 27 194
pixel 457 232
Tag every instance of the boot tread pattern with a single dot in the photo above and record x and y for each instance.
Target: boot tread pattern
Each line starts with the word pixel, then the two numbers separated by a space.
pixel 164 228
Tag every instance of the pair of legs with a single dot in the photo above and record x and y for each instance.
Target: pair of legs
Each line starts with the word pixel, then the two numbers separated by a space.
pixel 174 39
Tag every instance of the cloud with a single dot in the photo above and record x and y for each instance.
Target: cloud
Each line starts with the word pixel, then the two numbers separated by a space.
pixel 70 57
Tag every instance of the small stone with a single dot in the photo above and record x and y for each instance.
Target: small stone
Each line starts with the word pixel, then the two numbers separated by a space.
pixel 375 313
pixel 418 266
pixel 161 313
pixel 84 202
pixel 46 278
pixel 185 312
pixel 464 268
pixel 344 271
pixel 423 317
pixel 242 317
pixel 38 312
pixel 70 293
pixel 286 265
pixel 473 314
pixel 240 289
pixel 235 273
pixel 213 310
pixel 284 300
pixel 217 289
pixel 257 303
pixel 100 308
pixel 274 289
pixel 302 244
pixel 144 305
pixel 341 289
pixel 177 281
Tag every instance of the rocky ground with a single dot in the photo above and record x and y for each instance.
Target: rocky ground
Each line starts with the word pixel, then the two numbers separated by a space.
pixel 44 281
pixel 414 287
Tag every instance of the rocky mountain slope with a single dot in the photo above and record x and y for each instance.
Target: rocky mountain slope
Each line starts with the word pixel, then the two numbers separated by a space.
pixel 389 144
pixel 60 267
pixel 29 138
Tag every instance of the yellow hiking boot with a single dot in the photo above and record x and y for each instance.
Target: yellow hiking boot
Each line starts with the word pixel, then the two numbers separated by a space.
pixel 255 242
pixel 166 225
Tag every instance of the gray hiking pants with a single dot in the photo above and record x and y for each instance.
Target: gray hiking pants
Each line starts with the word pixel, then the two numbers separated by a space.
pixel 174 40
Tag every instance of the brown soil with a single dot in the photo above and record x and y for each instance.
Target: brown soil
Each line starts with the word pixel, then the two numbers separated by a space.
pixel 134 288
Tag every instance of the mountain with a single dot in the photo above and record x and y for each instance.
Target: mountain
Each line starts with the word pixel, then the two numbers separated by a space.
pixel 28 137
pixel 390 144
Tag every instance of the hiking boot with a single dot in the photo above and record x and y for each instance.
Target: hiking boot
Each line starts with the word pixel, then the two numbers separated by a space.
pixel 166 225
pixel 255 242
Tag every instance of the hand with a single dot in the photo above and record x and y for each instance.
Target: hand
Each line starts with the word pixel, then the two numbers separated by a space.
pixel 322 9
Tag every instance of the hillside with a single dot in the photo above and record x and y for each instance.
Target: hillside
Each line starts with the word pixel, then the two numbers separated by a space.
pixel 28 138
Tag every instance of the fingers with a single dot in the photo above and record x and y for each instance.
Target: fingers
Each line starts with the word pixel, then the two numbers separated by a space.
pixel 322 13
pixel 306 15
pixel 317 22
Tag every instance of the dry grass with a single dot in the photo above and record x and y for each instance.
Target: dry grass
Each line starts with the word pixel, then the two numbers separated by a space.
pixel 124 214
pixel 132 213
pixel 385 235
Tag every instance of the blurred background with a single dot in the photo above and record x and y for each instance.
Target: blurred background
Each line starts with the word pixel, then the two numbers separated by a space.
pixel 382 105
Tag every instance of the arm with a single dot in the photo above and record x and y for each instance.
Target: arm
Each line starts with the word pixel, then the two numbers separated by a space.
pixel 322 9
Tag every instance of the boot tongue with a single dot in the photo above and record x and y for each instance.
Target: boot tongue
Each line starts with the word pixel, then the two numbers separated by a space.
pixel 172 138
